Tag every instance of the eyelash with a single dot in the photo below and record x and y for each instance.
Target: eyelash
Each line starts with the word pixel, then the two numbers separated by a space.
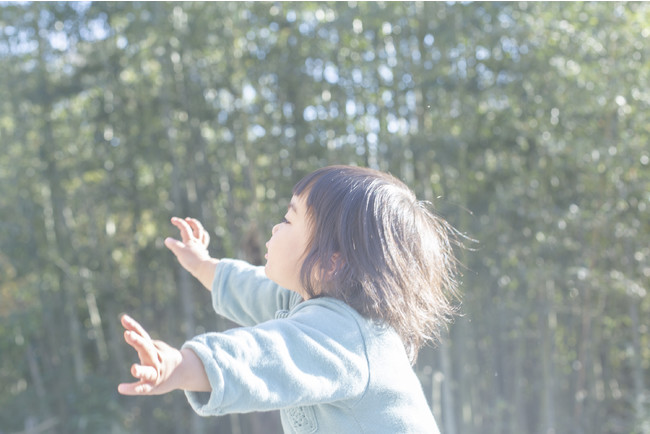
pixel 284 220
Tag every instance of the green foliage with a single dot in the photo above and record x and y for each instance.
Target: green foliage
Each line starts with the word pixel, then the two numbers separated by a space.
pixel 525 123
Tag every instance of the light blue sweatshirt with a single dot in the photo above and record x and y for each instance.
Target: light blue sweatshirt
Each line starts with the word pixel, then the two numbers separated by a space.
pixel 324 366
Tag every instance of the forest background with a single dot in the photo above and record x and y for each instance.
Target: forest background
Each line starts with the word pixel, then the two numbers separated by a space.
pixel 525 123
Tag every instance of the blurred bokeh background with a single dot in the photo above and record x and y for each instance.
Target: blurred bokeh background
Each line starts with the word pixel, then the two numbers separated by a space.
pixel 527 125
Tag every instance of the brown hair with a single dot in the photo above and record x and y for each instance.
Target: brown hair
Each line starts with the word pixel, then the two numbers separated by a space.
pixel 380 250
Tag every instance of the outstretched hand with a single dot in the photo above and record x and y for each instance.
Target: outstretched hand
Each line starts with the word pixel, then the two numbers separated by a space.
pixel 192 249
pixel 193 246
pixel 157 362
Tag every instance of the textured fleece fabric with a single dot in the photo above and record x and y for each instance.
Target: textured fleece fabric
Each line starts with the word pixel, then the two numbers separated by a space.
pixel 324 366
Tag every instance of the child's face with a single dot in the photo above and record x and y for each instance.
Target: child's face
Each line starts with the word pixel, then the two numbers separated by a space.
pixel 287 247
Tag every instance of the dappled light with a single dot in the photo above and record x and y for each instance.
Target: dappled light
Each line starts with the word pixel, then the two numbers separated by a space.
pixel 526 125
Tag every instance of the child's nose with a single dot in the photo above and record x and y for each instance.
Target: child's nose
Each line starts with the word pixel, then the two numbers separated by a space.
pixel 275 228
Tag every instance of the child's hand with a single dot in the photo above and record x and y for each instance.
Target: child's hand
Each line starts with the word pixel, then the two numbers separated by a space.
pixel 192 250
pixel 193 247
pixel 157 362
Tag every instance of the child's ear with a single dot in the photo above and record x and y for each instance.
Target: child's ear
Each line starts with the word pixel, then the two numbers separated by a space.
pixel 336 263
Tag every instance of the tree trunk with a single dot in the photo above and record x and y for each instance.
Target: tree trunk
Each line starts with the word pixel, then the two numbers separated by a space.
pixel 640 393
pixel 448 408
pixel 547 323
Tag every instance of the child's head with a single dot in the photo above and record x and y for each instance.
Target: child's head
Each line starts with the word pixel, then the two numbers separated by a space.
pixel 379 249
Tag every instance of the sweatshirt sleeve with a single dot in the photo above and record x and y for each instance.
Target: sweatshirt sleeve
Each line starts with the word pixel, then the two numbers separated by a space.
pixel 242 293
pixel 316 355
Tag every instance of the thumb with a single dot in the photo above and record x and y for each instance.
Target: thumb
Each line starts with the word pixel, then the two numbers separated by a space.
pixel 173 244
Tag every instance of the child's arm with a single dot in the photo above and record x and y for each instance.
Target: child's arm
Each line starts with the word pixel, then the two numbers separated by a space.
pixel 192 250
pixel 241 292
pixel 161 368
pixel 315 355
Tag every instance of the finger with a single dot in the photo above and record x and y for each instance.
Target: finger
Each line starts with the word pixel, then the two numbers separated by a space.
pixel 174 245
pixel 132 325
pixel 199 231
pixel 205 238
pixel 144 346
pixel 137 388
pixel 195 225
pixel 144 373
pixel 184 228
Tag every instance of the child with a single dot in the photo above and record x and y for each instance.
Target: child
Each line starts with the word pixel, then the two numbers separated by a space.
pixel 358 277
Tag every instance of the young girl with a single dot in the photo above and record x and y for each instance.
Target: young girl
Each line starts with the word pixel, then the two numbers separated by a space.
pixel 359 276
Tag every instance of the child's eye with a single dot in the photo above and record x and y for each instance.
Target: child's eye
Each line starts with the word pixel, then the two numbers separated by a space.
pixel 284 220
